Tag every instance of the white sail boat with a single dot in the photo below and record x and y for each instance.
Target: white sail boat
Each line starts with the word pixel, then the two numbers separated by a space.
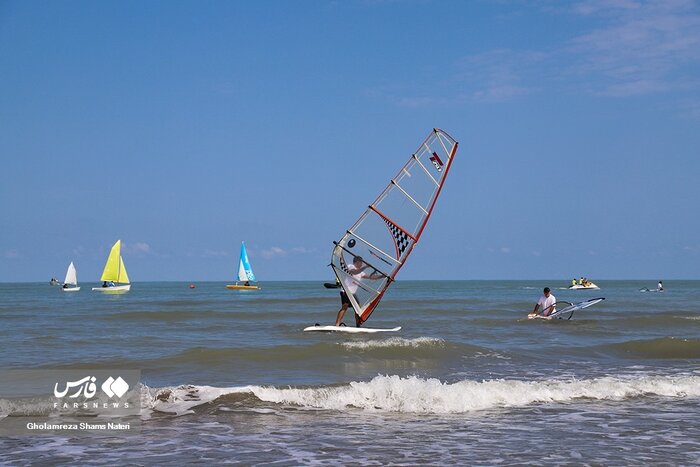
pixel 70 283
pixel 245 273
pixel 114 277
pixel 373 250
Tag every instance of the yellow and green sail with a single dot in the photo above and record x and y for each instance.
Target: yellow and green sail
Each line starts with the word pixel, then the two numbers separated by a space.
pixel 115 270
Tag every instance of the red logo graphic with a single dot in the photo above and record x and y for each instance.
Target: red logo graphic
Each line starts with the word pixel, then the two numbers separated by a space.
pixel 436 162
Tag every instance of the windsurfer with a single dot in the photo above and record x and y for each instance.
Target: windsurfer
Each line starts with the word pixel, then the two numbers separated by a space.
pixel 357 268
pixel 545 303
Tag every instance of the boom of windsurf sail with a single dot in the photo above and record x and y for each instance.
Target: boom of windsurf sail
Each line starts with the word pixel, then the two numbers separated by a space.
pixel 385 234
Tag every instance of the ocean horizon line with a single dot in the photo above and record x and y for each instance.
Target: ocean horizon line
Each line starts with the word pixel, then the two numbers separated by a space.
pixel 204 281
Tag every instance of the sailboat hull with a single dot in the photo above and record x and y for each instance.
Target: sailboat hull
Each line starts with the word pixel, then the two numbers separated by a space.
pixel 242 287
pixel 70 289
pixel 115 289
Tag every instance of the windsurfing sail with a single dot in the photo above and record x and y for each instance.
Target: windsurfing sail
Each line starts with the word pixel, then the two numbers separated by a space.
pixel 245 272
pixel 567 308
pixel 115 270
pixel 71 275
pixel 373 250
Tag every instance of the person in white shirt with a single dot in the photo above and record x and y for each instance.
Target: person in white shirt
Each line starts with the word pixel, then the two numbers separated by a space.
pixel 545 304
pixel 355 269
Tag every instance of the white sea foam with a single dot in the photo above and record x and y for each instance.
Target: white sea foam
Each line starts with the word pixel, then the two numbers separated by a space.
pixel 180 400
pixel 395 342
pixel 418 395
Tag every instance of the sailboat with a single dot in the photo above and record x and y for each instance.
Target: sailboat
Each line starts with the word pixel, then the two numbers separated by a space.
pixel 114 277
pixel 373 250
pixel 70 283
pixel 245 273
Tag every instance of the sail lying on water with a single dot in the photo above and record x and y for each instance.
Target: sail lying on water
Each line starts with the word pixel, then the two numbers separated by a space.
pixel 387 231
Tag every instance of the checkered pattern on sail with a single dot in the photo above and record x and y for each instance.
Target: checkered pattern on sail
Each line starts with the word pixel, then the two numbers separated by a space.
pixel 343 266
pixel 401 240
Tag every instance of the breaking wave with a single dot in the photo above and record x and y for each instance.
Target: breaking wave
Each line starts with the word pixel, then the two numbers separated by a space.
pixel 428 396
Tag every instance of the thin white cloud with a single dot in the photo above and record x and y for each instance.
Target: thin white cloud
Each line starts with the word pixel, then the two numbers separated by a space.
pixel 214 253
pixel 643 47
pixel 137 249
pixel 273 252
pixel 276 251
pixel 302 250
pixel 12 254
pixel 630 48
pixel 499 75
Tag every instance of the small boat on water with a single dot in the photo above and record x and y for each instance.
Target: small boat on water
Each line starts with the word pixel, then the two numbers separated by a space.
pixel 54 281
pixel 114 277
pixel 70 284
pixel 584 286
pixel 245 273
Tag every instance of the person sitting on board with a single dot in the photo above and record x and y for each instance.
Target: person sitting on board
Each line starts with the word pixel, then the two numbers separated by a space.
pixel 104 284
pixel 355 269
pixel 545 303
pixel 247 284
pixel 573 282
pixel 660 287
pixel 580 281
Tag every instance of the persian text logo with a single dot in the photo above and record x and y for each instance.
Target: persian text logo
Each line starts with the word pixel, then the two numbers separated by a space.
pixel 87 388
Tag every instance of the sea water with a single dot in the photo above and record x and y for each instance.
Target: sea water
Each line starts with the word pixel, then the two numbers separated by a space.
pixel 229 376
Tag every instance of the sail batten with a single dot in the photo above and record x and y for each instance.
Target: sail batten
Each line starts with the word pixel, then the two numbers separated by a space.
pixel 409 197
pixel 344 267
pixel 348 278
pixel 389 221
pixel 426 171
pixel 375 248
pixel 393 222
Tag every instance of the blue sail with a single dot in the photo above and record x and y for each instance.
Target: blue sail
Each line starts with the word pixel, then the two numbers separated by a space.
pixel 245 272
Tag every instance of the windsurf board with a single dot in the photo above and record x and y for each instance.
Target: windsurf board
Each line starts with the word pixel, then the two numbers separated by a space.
pixel 349 329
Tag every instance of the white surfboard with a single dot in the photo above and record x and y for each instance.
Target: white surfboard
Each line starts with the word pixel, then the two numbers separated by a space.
pixel 349 329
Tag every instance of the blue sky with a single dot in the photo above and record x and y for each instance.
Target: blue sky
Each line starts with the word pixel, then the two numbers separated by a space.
pixel 182 128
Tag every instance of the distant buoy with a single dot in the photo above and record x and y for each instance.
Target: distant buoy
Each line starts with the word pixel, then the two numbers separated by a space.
pixel 192 286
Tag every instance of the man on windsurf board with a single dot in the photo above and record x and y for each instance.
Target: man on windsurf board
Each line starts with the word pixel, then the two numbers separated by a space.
pixel 357 268
pixel 545 303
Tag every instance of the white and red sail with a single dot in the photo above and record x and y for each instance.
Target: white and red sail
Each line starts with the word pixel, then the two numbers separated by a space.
pixel 387 231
